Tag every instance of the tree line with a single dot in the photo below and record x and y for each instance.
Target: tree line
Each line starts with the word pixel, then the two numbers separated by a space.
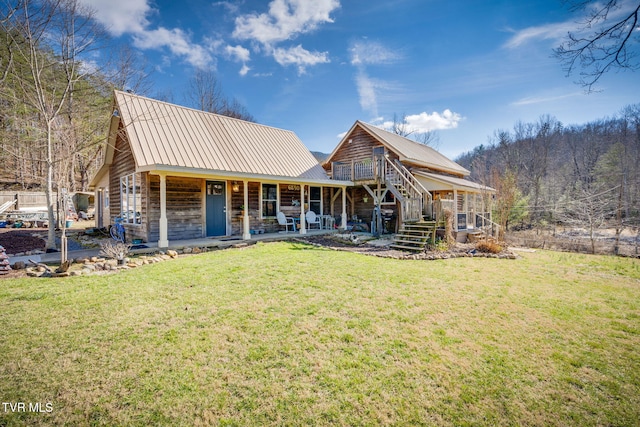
pixel 546 173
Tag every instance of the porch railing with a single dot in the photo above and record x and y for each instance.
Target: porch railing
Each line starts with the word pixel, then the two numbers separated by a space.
pixel 356 170
pixel 439 206
pixel 484 223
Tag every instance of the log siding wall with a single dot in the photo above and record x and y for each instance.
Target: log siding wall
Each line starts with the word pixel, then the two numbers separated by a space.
pixel 185 211
pixel 124 164
pixel 267 225
pixel 360 147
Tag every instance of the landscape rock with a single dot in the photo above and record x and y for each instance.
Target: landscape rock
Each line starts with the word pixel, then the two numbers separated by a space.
pixel 171 253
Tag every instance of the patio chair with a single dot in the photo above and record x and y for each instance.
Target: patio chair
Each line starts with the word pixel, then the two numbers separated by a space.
pixel 312 218
pixel 286 222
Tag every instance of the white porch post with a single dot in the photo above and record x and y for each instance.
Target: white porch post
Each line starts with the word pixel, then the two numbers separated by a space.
pixel 163 241
pixel 455 209
pixel 246 226
pixel 303 222
pixel 343 222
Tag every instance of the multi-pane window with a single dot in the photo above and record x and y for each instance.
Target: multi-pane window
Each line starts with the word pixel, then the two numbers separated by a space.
pixel 130 199
pixel 315 200
pixel 269 200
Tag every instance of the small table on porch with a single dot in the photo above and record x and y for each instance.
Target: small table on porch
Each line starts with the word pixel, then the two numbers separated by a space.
pixel 327 222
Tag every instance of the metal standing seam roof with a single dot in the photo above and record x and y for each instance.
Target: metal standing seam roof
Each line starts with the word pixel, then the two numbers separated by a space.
pixel 163 134
pixel 415 152
pixel 454 182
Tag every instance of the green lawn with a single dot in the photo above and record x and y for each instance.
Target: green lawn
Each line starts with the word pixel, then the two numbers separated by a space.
pixel 290 334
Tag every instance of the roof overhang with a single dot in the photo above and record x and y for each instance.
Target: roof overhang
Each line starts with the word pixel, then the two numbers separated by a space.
pixel 454 183
pixel 225 175
pixel 109 149
pixel 431 166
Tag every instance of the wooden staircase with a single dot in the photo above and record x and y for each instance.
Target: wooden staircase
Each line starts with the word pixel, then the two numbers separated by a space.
pixel 406 188
pixel 415 236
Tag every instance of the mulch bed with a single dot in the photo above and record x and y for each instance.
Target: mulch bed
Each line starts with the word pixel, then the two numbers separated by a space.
pixel 457 251
pixel 15 240
pixel 362 248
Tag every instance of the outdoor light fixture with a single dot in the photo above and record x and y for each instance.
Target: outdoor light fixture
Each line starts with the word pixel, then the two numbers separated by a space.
pixel 235 187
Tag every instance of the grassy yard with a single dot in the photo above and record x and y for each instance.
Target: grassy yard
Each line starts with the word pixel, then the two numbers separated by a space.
pixel 290 334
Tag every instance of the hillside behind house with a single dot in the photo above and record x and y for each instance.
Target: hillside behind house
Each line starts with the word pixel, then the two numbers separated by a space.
pixel 584 176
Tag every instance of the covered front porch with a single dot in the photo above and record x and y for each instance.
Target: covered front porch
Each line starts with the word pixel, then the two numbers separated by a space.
pixel 241 208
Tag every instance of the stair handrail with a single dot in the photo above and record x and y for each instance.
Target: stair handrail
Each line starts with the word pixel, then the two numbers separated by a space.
pixel 405 173
pixel 491 224
pixel 413 205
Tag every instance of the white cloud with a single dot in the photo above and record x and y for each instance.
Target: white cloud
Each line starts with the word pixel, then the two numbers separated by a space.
pixel 122 17
pixel 367 52
pixel 244 70
pixel 558 31
pixel 299 56
pixel 542 32
pixel 425 122
pixel 285 20
pixel 541 99
pixel 177 42
pixel 238 53
pixel 367 92
pixel 229 6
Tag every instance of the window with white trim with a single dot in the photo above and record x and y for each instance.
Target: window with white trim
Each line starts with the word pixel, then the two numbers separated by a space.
pixel 131 199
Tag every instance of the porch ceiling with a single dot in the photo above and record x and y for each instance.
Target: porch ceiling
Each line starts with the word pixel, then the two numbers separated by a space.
pixel 238 176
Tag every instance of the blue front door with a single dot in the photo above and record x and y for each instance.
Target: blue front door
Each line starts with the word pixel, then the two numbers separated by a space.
pixel 216 208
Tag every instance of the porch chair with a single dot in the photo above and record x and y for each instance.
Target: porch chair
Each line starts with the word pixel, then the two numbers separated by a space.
pixel 286 222
pixel 312 218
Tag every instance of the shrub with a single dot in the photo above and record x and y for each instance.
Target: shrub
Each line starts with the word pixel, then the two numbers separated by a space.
pixel 114 250
pixel 488 246
pixel 440 245
pixel 448 228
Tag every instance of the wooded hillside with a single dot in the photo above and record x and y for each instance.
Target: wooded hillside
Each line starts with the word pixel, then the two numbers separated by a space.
pixel 583 175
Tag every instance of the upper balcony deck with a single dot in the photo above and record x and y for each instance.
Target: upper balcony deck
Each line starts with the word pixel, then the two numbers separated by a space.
pixel 368 169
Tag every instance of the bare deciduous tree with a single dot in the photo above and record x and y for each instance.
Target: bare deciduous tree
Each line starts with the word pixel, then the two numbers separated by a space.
pixel 130 71
pixel 608 39
pixel 48 40
pixel 507 195
pixel 205 93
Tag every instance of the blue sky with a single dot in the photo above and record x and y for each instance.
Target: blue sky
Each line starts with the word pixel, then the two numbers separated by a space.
pixel 463 68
